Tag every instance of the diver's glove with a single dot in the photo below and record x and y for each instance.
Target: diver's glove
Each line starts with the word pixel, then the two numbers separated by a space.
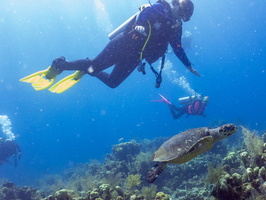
pixel 191 69
pixel 141 30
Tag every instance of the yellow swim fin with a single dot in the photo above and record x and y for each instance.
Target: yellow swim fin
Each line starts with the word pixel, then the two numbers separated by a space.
pixel 67 82
pixel 38 79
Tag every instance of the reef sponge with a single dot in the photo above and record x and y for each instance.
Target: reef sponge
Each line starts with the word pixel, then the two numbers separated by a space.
pixel 262 173
pixel 231 187
pixel 94 194
pixel 237 186
pixel 119 191
pixel 64 194
pixel 119 198
pixel 133 181
pixel 232 160
pixel 162 196
pixel 105 191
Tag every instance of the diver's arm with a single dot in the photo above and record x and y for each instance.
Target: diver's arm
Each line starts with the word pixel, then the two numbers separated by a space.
pixel 149 13
pixel 176 44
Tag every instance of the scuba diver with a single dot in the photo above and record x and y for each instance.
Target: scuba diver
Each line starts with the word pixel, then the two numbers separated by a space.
pixel 191 105
pixel 9 148
pixel 146 37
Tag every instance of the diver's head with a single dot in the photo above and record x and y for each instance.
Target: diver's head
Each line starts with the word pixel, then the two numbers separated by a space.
pixel 182 9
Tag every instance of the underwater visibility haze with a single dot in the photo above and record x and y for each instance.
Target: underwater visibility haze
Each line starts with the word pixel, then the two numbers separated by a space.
pixel 58 131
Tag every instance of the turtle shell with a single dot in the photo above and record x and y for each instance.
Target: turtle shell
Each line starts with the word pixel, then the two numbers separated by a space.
pixel 184 146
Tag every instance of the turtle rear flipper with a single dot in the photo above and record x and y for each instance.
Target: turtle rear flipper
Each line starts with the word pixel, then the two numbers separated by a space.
pixel 155 171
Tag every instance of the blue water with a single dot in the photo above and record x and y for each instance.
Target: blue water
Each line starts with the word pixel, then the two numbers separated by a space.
pixel 56 131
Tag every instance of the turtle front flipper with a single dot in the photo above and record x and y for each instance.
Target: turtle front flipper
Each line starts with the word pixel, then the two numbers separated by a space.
pixel 155 171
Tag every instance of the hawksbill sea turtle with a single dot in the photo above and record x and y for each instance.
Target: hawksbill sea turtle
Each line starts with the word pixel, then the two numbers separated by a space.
pixel 185 146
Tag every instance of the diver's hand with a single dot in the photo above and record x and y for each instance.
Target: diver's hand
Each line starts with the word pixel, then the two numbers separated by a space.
pixel 141 30
pixel 191 69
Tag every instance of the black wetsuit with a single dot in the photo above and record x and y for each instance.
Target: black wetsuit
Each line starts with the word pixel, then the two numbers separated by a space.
pixel 189 109
pixel 9 148
pixel 124 51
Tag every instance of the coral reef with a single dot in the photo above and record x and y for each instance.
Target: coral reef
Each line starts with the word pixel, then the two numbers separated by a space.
pixel 241 180
pixel 9 191
pixel 235 171
pixel 126 151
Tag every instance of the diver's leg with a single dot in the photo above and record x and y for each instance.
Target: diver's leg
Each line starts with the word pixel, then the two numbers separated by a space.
pixel 120 72
pixel 61 64
pixel 176 112
pixel 119 53
pixel 118 50
pixel 107 58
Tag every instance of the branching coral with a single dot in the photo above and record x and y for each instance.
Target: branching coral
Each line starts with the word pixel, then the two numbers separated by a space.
pixel 141 163
pixel 51 183
pixel 214 175
pixel 252 141
pixel 149 192
pixel 133 181
pixel 113 179
pixel 255 147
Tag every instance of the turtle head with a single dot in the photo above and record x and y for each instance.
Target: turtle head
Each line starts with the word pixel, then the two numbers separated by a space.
pixel 227 130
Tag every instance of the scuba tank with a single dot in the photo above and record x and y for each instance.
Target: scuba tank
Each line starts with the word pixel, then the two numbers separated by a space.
pixel 123 26
pixel 186 100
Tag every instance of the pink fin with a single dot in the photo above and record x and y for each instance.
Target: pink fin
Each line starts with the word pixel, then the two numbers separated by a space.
pixel 162 100
pixel 165 100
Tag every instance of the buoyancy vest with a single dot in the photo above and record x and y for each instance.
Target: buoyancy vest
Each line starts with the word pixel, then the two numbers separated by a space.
pixel 196 108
